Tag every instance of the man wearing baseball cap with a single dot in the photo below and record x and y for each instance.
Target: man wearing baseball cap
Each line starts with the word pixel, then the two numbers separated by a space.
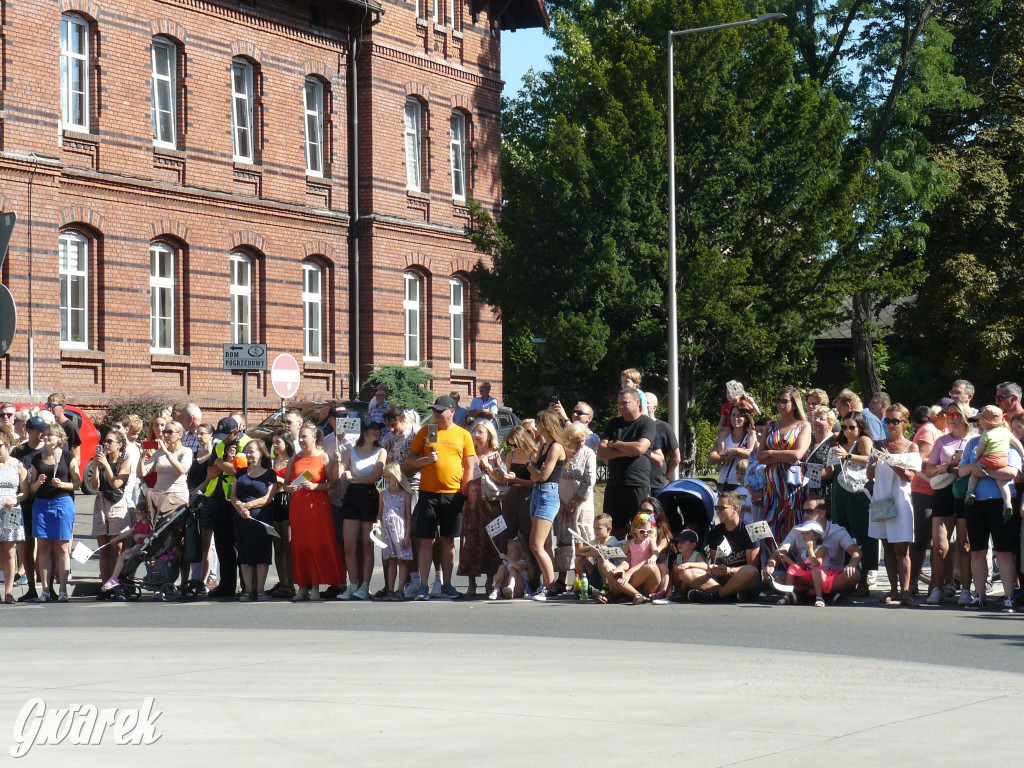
pixel 445 462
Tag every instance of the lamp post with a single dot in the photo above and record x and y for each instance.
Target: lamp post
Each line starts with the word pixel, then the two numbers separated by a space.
pixel 673 312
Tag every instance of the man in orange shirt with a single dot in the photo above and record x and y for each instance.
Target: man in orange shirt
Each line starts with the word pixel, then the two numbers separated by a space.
pixel 446 464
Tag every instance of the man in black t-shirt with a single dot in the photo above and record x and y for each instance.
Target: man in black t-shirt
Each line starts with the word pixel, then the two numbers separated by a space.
pixel 55 403
pixel 665 451
pixel 626 446
pixel 732 570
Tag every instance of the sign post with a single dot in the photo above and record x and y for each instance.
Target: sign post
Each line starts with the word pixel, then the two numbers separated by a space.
pixel 245 358
pixel 8 310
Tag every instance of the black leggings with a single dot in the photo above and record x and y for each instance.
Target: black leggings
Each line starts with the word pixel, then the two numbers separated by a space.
pixel 224 541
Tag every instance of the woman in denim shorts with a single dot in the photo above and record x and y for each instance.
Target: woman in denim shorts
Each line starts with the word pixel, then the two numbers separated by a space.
pixel 546 471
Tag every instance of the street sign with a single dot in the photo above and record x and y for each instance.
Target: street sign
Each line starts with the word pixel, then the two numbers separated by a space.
pixel 245 357
pixel 8 319
pixel 6 228
pixel 285 376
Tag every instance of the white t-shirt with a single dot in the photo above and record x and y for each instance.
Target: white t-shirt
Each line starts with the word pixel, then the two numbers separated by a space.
pixel 836 540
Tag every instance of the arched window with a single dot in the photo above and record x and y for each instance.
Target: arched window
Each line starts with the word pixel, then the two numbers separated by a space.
pixel 457 314
pixel 312 311
pixel 74 290
pixel 242 100
pixel 457 153
pixel 241 298
pixel 74 73
pixel 163 80
pixel 413 144
pixel 161 302
pixel 313 100
pixel 413 292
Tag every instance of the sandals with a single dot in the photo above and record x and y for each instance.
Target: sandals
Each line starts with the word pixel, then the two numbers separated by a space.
pixel 601 597
pixel 640 599
pixel 908 601
pixel 394 597
pixel 819 602
pixel 889 598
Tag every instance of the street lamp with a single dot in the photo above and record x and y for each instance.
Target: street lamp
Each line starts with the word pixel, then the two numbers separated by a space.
pixel 673 312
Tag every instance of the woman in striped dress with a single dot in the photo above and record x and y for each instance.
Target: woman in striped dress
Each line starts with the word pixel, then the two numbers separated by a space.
pixel 785 443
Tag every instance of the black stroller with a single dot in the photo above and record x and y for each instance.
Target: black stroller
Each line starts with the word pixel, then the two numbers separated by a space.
pixel 160 553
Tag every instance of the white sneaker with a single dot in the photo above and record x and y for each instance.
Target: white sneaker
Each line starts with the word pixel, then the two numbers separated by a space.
pixel 493 595
pixel 349 592
pixel 435 591
pixel 935 597
pixel 412 589
pixel 872 578
pixel 965 598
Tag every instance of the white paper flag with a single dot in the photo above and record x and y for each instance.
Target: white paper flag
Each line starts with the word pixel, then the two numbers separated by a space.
pixel 759 530
pixel 496 526
pixel 81 553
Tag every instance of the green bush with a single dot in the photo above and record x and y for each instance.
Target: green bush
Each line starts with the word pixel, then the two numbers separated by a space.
pixel 705 441
pixel 407 386
pixel 146 407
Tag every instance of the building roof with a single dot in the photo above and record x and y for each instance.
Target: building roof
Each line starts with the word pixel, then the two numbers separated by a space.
pixel 521 14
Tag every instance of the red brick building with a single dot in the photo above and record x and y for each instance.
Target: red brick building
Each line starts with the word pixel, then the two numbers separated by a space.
pixel 190 173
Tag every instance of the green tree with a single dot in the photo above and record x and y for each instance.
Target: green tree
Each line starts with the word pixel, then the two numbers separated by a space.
pixel 408 385
pixel 890 61
pixel 580 256
pixel 967 318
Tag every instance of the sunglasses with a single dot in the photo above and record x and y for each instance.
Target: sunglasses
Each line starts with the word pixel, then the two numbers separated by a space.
pixel 51 406
pixel 170 431
pixel 1000 398
pixel 850 427
pixel 578 412
pixel 783 401
pixel 893 422
pixel 645 531
pixel 111 442
pixel 722 509
pixel 7 415
pixel 953 415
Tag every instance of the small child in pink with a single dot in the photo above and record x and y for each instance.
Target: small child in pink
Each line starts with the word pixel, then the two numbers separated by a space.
pixel 141 531
pixel 810 573
pixel 993 452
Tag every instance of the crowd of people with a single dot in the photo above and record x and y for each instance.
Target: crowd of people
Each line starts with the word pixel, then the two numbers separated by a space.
pixel 804 501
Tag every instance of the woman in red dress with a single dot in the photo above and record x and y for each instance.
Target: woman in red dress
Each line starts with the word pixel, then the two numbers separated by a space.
pixel 316 558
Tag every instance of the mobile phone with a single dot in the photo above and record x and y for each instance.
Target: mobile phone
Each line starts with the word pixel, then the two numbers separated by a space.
pixel 432 433
pixel 150 445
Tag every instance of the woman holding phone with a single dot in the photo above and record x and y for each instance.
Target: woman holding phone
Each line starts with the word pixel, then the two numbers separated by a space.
pixel 170 463
pixel 110 472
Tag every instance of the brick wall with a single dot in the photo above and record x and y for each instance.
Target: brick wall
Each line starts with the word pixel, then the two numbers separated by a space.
pixel 112 185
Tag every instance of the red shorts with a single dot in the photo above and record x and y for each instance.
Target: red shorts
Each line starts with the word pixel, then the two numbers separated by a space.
pixel 802 577
pixel 994 460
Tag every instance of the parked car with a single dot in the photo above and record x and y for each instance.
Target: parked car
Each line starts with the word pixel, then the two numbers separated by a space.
pixel 315 411
pixel 86 430
pixel 506 420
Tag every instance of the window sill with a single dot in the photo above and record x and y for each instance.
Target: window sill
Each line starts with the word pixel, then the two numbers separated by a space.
pixel 247 165
pixel 463 373
pixel 417 194
pixel 457 35
pixel 82 353
pixel 168 358
pixel 169 152
pixel 317 365
pixel 80 134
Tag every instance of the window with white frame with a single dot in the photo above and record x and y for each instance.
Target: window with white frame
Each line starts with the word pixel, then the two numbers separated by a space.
pixel 241 299
pixel 312 311
pixel 314 110
pixel 74 73
pixel 74 290
pixel 161 298
pixel 458 155
pixel 242 110
pixel 413 144
pixel 456 310
pixel 164 63
pixel 413 285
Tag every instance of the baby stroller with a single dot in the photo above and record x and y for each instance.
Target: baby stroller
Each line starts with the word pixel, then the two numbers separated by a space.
pixel 160 553
pixel 688 503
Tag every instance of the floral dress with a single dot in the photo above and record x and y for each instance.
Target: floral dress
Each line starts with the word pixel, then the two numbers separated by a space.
pixel 477 555
pixel 12 525
pixel 576 484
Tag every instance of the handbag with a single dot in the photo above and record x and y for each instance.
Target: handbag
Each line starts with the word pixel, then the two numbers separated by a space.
pixel 795 476
pixel 852 478
pixel 491 490
pixel 880 510
pixel 944 480
pixel 960 487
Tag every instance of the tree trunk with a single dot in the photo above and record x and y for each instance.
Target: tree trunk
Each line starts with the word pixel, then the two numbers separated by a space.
pixel 687 391
pixel 862 334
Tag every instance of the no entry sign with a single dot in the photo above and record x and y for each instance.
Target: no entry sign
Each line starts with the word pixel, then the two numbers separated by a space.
pixel 285 376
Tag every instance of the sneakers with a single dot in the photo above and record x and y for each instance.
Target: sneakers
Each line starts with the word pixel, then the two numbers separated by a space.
pixel 1007 605
pixel 435 590
pixel 969 500
pixel 935 597
pixel 44 597
pixel 363 593
pixel 544 594
pixel 965 598
pixel 350 592
pixel 447 590
pixel 872 578
pixel 422 593
pixel 63 597
pixel 21 581
pixel 493 595
pixel 301 595
pixel 976 603
pixel 700 596
pixel 412 589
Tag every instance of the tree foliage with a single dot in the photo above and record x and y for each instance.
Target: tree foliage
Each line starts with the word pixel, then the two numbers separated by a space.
pixel 763 194
pixel 407 385
pixel 967 318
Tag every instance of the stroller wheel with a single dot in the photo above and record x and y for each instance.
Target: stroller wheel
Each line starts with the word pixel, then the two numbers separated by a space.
pixel 132 593
pixel 167 592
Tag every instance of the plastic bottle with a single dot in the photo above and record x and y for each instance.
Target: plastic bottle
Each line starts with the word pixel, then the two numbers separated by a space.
pixel 584 587
pixel 576 586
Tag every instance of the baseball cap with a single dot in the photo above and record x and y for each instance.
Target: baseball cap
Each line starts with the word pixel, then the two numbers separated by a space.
pixel 686 534
pixel 339 411
pixel 35 423
pixel 944 402
pixel 443 403
pixel 810 525
pixel 225 427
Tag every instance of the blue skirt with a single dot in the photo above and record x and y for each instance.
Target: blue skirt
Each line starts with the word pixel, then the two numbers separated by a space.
pixel 53 518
